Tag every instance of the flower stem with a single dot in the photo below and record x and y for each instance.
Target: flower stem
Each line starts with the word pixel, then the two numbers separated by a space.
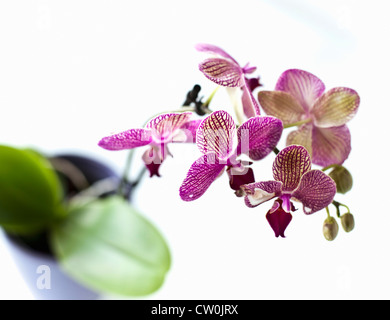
pixel 337 205
pixel 327 212
pixel 124 179
pixel 207 102
pixel 139 177
pixel 298 123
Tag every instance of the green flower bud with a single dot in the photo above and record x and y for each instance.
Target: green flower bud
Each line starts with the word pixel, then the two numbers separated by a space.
pixel 343 179
pixel 330 229
pixel 348 222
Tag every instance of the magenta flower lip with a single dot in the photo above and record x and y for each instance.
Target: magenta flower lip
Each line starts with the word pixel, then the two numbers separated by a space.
pixel 300 96
pixel 278 219
pixel 215 138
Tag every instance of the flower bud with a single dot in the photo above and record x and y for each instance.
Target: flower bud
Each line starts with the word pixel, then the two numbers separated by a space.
pixel 347 222
pixel 330 229
pixel 343 179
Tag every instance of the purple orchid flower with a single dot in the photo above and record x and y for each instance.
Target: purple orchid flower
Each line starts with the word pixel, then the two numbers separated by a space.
pixel 225 71
pixel 293 181
pixel 300 96
pixel 215 137
pixel 161 130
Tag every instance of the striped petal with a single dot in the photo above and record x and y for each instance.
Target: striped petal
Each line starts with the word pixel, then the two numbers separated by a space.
pixel 316 191
pixel 258 136
pixel 212 49
pixel 129 139
pixel 223 72
pixel 164 126
pixel 282 105
pixel 289 166
pixel 200 176
pixel 216 134
pixel 302 137
pixel 260 192
pixel 330 145
pixel 302 85
pixel 336 107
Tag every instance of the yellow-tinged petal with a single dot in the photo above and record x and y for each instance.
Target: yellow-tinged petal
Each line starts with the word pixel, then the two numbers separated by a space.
pixel 336 107
pixel 281 105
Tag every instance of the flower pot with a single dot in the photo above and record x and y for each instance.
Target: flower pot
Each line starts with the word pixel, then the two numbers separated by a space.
pixel 33 254
pixel 43 276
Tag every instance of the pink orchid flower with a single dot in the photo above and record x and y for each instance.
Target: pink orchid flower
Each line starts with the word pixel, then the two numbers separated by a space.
pixel 215 138
pixel 294 180
pixel 225 71
pixel 299 96
pixel 161 130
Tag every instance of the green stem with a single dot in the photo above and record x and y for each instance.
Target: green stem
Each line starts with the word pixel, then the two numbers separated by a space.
pixel 141 174
pixel 327 212
pixel 337 205
pixel 125 173
pixel 276 151
pixel 207 102
pixel 298 123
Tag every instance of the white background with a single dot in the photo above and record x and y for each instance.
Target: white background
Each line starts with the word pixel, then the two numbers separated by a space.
pixel 72 72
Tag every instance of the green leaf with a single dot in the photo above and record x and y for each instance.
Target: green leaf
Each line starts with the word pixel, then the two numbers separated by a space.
pixel 30 191
pixel 109 247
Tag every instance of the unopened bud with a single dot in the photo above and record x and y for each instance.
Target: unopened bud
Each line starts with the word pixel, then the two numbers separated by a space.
pixel 348 222
pixel 343 179
pixel 330 229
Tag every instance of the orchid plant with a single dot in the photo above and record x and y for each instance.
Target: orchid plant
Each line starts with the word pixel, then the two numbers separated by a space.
pixel 98 230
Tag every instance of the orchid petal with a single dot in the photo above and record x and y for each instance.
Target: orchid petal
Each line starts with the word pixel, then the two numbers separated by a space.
pixel 129 139
pixel 210 48
pixel 336 107
pixel 316 191
pixel 200 176
pixel 301 137
pixel 260 192
pixel 289 166
pixel 282 105
pixel 187 132
pixel 331 145
pixel 302 85
pixel 165 125
pixel 216 134
pixel 223 72
pixel 249 103
pixel 258 136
